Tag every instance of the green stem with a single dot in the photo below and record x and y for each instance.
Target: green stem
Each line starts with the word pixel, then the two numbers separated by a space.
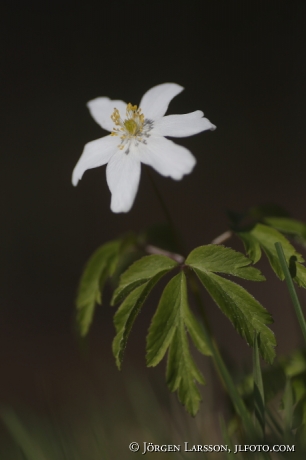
pixel 231 387
pixel 291 289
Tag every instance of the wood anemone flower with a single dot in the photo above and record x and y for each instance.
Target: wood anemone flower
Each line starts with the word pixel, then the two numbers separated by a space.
pixel 137 136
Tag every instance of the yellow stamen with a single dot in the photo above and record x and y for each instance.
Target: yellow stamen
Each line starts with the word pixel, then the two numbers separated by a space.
pixel 132 126
pixel 116 117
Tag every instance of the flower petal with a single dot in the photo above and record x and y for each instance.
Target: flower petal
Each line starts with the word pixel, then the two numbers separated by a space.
pixel 166 157
pixel 183 125
pixel 122 175
pixel 102 108
pixel 95 153
pixel 154 102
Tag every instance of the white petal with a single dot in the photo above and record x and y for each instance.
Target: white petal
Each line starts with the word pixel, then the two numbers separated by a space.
pixel 183 125
pixel 166 157
pixel 95 153
pixel 154 102
pixel 122 175
pixel 102 108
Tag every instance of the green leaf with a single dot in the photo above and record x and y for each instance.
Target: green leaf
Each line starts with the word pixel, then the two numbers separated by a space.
pixel 217 258
pixel 172 309
pixel 100 266
pixel 288 226
pixel 168 331
pixel 135 284
pixel 300 277
pixel 262 236
pixel 246 314
pixel 251 245
pixel 126 315
pixel 165 320
pixel 182 372
pixel 140 272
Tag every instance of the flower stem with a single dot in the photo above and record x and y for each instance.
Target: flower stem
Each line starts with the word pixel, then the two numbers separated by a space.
pixel 160 199
pixel 176 237
pixel 223 237
pixel 292 292
pixel 150 249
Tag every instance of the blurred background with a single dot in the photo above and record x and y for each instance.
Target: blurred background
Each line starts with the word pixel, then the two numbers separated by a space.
pixel 242 63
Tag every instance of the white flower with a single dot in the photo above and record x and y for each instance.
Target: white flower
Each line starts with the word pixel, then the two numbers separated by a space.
pixel 137 136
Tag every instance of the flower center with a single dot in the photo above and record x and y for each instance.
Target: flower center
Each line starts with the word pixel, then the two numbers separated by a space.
pixel 134 128
pixel 131 126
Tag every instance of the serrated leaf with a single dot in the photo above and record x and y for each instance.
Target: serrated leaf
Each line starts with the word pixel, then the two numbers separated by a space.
pixel 289 226
pixel 126 315
pixel 140 272
pixel 172 308
pixel 101 265
pixel 182 372
pixel 246 314
pixel 217 258
pixel 265 237
pixel 300 277
pixel 167 330
pixel 166 319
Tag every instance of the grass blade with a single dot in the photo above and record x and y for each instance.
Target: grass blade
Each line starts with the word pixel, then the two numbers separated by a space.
pixel 258 392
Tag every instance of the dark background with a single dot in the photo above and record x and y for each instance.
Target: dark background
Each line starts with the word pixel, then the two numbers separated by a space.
pixel 241 62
